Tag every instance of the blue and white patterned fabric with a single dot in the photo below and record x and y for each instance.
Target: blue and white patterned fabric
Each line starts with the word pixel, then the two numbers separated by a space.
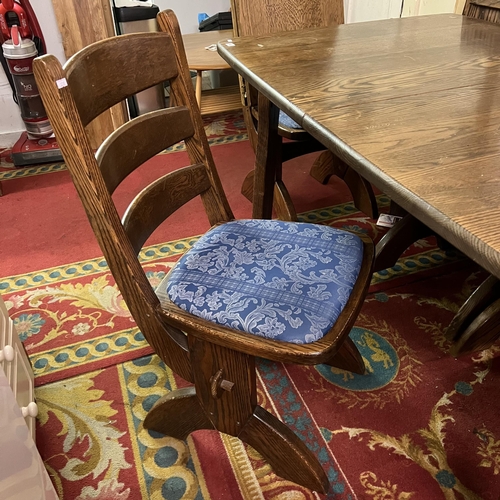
pixel 285 281
pixel 286 121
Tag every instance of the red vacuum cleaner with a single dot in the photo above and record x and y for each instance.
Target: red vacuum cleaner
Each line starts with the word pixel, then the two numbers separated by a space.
pixel 22 41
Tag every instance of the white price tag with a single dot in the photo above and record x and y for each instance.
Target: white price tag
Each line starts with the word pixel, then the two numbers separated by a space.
pixel 61 83
pixel 387 220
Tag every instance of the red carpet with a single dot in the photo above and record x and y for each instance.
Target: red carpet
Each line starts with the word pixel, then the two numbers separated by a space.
pixel 48 205
pixel 419 424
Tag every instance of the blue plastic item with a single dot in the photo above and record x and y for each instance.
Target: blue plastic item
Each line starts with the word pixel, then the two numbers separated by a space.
pixel 202 17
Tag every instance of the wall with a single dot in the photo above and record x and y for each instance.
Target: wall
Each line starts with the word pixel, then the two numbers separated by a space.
pixel 425 7
pixel 369 10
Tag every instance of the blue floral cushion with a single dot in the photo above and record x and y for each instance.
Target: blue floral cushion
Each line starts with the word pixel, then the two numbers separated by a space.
pixel 286 121
pixel 281 280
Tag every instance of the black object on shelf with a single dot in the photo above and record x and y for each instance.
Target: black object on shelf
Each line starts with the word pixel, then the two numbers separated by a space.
pixel 220 21
pixel 139 13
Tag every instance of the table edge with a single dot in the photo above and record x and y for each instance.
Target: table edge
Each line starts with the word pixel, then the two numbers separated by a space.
pixel 286 106
pixel 453 232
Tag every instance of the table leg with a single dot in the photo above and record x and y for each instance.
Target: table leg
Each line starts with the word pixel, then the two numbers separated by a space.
pixel 199 83
pixel 267 160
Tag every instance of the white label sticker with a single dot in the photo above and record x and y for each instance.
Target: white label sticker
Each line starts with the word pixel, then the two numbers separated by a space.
pixel 387 220
pixel 61 83
pixel 229 44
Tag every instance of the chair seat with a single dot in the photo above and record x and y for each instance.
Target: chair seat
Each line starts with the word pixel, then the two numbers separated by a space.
pixel 281 280
pixel 286 121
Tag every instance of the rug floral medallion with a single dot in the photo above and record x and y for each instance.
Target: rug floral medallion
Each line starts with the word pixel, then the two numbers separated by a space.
pixel 418 424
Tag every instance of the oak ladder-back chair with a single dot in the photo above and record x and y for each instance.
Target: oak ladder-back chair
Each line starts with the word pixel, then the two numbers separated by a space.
pixel 487 10
pixel 264 17
pixel 279 290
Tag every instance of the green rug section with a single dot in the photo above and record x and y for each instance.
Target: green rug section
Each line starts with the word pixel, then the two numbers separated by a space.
pixel 108 346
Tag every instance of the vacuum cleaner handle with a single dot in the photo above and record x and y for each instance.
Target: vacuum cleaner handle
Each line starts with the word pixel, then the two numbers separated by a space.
pixel 11 13
pixel 36 31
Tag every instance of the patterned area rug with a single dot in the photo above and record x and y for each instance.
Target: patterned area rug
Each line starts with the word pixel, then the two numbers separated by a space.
pixel 419 424
pixel 72 319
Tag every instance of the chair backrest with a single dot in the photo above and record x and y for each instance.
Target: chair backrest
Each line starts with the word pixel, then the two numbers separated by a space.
pixel 487 10
pixel 263 17
pixel 93 80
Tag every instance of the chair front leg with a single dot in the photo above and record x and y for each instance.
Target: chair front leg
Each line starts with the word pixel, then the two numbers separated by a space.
pixel 348 358
pixel 225 383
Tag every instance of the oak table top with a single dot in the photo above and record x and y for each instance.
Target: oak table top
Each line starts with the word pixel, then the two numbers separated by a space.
pixel 412 104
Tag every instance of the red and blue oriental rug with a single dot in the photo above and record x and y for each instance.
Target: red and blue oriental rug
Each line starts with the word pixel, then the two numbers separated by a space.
pixel 418 425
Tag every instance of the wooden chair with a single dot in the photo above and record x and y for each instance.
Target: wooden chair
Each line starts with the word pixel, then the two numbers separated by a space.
pixel 206 347
pixel 263 17
pixel 487 10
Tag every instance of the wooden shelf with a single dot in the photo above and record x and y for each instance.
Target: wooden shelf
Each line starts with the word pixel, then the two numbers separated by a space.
pixel 220 100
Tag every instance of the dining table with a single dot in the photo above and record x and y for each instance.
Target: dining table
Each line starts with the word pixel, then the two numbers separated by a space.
pixel 201 57
pixel 413 105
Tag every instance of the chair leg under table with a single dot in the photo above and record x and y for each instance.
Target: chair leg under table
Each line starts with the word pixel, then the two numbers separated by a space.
pixel 328 165
pixel 225 398
pixel 268 159
pixel 476 325
pixel 282 202
pixel 324 167
pixel 399 237
pixel 404 233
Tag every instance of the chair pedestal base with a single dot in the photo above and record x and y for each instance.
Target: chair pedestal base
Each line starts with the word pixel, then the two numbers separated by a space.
pixel 224 398
pixel 325 166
